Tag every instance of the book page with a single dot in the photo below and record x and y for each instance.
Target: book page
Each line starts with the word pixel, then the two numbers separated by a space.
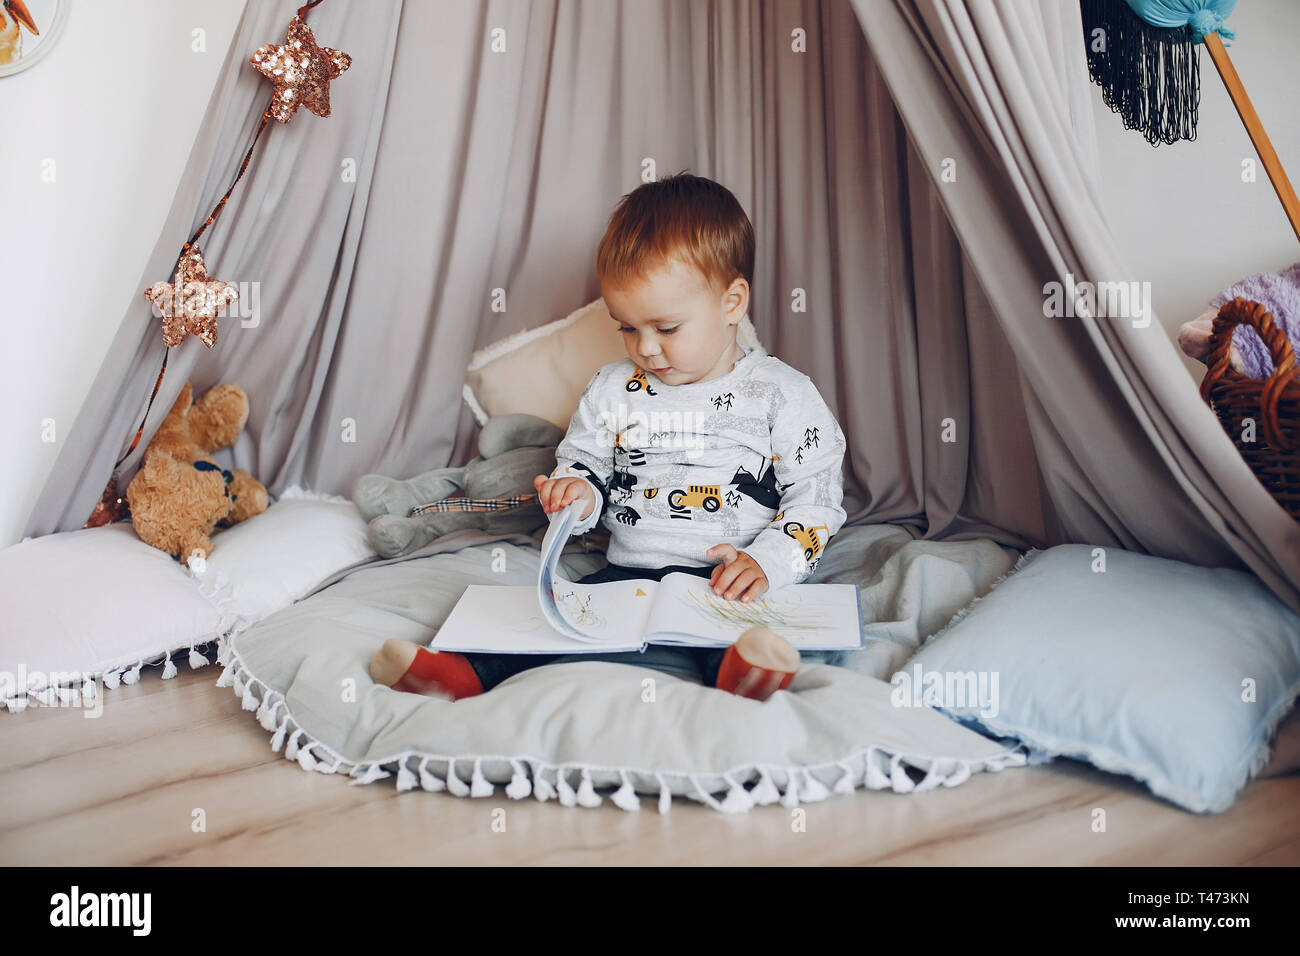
pixel 500 619
pixel 810 616
pixel 608 614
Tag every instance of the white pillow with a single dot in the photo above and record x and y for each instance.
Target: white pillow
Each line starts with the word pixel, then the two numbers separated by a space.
pixel 543 371
pixel 90 603
pixel 267 562
pixel 99 602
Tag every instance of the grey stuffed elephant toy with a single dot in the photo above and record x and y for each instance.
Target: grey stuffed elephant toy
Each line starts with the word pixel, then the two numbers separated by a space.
pixel 512 450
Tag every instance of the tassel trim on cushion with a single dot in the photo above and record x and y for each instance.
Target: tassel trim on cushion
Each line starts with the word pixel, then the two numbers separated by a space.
pixel 736 790
pixel 74 690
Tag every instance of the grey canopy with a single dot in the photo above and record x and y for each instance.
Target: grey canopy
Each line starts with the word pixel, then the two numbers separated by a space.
pixel 917 172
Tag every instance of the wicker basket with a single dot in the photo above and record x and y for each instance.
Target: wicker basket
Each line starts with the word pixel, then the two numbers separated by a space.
pixel 1274 405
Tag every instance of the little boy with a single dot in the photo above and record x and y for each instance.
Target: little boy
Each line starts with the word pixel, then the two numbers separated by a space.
pixel 698 454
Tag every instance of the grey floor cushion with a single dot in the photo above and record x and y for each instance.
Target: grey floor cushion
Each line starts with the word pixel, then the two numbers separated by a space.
pixel 567 731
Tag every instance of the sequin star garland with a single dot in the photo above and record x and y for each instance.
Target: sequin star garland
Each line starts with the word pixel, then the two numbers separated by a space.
pixel 301 71
pixel 191 302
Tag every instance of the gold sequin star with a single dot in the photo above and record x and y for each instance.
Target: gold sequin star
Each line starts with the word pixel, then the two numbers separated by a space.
pixel 300 70
pixel 191 302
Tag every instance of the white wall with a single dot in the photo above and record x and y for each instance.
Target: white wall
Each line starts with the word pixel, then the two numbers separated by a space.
pixel 116 103
pixel 1181 214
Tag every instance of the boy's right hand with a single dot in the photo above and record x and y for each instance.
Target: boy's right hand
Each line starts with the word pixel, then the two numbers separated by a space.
pixel 555 494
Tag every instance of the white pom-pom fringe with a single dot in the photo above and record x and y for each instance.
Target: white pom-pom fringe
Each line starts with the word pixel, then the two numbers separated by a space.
pixel 479 785
pixel 567 797
pixel 455 785
pixel 519 786
pixel 587 795
pixel 738 799
pixel 847 782
pixel 790 798
pixel 376 772
pixel 305 758
pixel 958 776
pixel 543 789
pixel 765 792
pixel 278 740
pixel 902 783
pixel 625 797
pixel 876 778
pixel 812 789
pixel 428 781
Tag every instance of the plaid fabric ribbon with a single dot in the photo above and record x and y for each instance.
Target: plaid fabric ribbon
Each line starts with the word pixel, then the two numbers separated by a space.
pixel 473 504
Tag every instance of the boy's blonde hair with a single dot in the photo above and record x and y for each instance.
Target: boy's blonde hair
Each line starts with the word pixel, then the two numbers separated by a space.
pixel 682 216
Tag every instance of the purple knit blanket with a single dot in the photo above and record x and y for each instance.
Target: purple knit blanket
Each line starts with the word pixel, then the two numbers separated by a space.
pixel 1279 292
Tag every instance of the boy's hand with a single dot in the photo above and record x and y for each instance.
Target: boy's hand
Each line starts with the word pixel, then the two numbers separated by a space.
pixel 555 494
pixel 738 575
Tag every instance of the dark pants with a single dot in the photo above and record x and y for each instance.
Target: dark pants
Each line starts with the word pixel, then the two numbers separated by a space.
pixel 691 663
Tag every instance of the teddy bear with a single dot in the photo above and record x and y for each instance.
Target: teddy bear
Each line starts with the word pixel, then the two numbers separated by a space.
pixel 180 494
pixel 512 450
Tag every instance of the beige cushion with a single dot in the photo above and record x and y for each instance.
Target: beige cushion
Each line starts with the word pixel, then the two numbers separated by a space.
pixel 543 371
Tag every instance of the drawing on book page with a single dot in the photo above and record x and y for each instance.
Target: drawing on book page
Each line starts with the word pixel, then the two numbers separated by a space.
pixel 776 613
pixel 578 610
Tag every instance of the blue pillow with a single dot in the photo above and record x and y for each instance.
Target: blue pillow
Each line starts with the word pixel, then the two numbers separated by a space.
pixel 1174 674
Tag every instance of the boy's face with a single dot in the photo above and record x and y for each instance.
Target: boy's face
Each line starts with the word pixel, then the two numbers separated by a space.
pixel 676 327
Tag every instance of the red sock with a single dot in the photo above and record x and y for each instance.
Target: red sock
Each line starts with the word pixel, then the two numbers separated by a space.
pixel 737 676
pixel 440 673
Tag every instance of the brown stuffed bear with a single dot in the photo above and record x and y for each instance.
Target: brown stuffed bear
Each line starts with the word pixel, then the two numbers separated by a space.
pixel 180 494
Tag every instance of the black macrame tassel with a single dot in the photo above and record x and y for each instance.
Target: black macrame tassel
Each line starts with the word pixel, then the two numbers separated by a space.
pixel 1149 75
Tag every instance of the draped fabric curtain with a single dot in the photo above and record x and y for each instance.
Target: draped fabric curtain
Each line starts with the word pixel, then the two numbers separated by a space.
pixel 1127 452
pixel 475 152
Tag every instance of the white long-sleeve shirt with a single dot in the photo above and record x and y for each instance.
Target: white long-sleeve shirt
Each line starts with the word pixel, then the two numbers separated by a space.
pixel 752 459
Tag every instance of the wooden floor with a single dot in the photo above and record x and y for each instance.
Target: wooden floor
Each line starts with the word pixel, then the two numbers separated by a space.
pixel 125 789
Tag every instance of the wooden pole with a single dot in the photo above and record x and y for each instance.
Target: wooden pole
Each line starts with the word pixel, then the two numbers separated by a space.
pixel 1267 155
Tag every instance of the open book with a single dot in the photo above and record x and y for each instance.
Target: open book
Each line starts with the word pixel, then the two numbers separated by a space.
pixel 563 617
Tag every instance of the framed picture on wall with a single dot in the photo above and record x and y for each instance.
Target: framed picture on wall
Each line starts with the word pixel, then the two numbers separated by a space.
pixel 28 29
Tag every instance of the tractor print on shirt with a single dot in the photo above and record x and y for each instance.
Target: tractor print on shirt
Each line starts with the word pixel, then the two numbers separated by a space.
pixel 638 381
pixel 806 537
pixel 708 497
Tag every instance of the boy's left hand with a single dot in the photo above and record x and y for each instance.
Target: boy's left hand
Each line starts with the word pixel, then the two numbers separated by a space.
pixel 738 575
